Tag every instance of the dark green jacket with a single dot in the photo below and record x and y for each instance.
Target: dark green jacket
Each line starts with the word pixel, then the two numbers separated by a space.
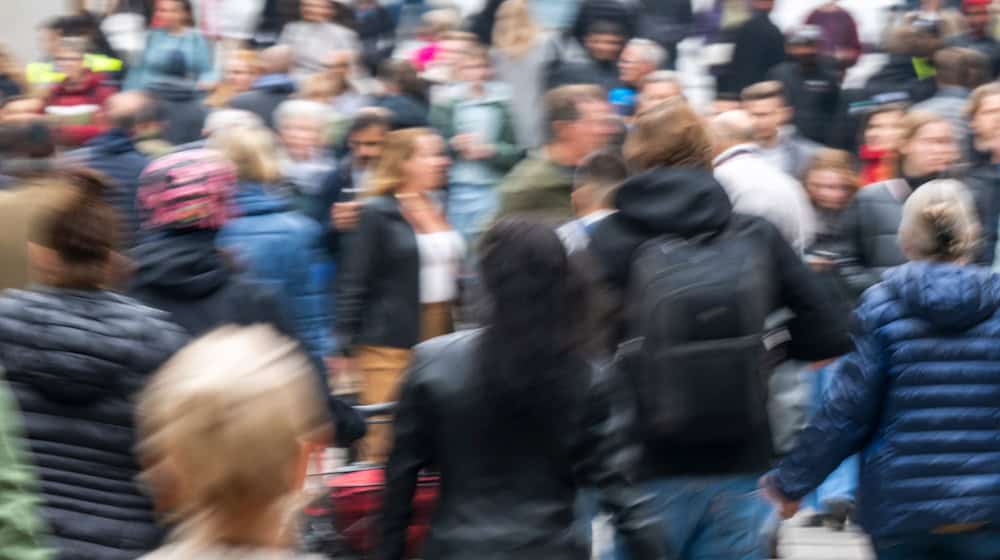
pixel 540 187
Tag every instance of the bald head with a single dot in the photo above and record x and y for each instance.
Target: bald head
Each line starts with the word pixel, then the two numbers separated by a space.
pixel 730 129
pixel 277 59
pixel 126 110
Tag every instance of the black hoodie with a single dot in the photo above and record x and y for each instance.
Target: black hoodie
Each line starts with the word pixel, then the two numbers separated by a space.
pixel 185 275
pixel 686 202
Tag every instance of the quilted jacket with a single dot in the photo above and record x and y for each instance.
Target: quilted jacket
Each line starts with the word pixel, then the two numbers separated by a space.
pixel 75 361
pixel 919 399
pixel 281 248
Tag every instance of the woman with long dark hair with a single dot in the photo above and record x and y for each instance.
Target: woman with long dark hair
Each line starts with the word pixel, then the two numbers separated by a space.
pixel 515 418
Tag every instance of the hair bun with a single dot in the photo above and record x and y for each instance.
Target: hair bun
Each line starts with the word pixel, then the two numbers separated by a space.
pixel 942 218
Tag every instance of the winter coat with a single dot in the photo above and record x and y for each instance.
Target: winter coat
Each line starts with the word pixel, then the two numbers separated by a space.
pixel 183 108
pixel 89 90
pixel 114 154
pixel 156 58
pixel 267 93
pixel 505 493
pixel 758 47
pixel 918 399
pixel 687 202
pixel 814 93
pixel 75 361
pixel 540 186
pixel 871 227
pixel 185 275
pixel 407 111
pixel 983 182
pixel 280 248
pixel 378 288
pixel 21 519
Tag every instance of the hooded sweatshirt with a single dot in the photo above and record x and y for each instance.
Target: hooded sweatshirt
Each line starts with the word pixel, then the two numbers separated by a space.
pixel 686 202
pixel 183 108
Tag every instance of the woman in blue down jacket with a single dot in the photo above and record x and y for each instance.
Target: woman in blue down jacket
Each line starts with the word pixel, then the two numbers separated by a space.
pixel 919 396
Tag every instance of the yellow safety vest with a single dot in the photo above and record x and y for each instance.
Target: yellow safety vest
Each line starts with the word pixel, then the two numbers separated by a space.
pixel 45 73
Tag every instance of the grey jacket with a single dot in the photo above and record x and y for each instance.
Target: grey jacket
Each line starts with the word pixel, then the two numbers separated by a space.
pixel 871 224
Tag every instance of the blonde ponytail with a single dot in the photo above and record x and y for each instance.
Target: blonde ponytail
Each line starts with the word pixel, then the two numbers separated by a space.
pixel 940 223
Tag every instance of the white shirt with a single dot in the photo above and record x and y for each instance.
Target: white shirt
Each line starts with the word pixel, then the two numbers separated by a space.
pixel 441 255
pixel 757 188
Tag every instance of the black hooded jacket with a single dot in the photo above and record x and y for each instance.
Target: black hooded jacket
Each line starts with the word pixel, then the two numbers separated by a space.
pixel 687 202
pixel 185 275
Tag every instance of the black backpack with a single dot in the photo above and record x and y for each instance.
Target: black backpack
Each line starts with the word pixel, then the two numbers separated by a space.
pixel 695 337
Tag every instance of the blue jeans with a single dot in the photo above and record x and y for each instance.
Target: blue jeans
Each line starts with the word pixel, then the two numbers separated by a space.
pixel 470 209
pixel 710 518
pixel 982 545
pixel 842 484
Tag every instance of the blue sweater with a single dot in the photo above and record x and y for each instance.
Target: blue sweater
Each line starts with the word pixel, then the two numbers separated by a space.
pixel 197 53
pixel 281 248
pixel 920 399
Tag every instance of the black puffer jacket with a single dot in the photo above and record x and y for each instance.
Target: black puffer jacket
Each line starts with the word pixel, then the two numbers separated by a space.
pixel 871 228
pixel 689 202
pixel 505 497
pixel 75 361
pixel 186 276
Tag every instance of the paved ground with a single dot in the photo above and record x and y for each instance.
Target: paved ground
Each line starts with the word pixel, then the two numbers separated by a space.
pixel 801 543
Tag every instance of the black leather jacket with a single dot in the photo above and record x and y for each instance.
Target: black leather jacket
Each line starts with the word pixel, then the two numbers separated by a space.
pixel 378 291
pixel 518 501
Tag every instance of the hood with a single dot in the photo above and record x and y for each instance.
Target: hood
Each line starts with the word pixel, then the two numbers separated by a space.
pixel 173 89
pixel 182 265
pixel 114 141
pixel 681 201
pixel 276 83
pixel 254 199
pixel 953 298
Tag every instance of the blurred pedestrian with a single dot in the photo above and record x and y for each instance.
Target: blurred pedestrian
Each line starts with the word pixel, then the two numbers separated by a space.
pixel 983 114
pixel 342 74
pixel 377 31
pixel 922 344
pixel 487 399
pixel 12 79
pixel 658 87
pixel 174 36
pixel 398 280
pixel 597 62
pixel 579 123
pixel 180 99
pixel 666 22
pixel 316 34
pixel 594 186
pixel 76 355
pixel 404 93
pixel 305 160
pixel 957 73
pixel 522 53
pixel 477 123
pixel 640 58
pixel 114 154
pixel 241 69
pixel 811 84
pixel 755 186
pixel 279 247
pixel 778 138
pixel 271 88
pixel 228 426
pixel 926 152
pixel 758 46
pixel 840 41
pixel 77 104
pixel 882 133
pixel 701 400
pixel 978 33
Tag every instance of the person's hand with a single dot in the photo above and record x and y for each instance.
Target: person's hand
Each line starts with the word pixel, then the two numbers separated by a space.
pixel 345 215
pixel 820 264
pixel 786 508
pixel 479 151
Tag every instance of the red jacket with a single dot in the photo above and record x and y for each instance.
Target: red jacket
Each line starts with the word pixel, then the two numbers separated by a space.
pixel 876 165
pixel 90 90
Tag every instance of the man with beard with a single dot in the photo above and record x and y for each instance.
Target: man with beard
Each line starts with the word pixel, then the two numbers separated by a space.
pixel 811 83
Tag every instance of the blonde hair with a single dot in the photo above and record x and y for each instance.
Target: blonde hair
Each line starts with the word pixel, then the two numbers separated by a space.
pixel 252 149
pixel 223 425
pixel 940 223
pixel 669 134
pixel 438 22
pixel 399 147
pixel 224 92
pixel 515 31
pixel 978 96
pixel 914 122
pixel 839 161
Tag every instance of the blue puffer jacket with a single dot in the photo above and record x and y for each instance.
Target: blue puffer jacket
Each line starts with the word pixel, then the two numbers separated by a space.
pixel 281 248
pixel 920 398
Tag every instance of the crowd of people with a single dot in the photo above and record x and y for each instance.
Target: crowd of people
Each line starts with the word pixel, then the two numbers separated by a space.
pixel 232 222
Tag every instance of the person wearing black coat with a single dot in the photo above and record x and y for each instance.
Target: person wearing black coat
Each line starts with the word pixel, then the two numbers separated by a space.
pixel 180 270
pixel 811 84
pixel 180 101
pixel 758 47
pixel 516 421
pixel 75 356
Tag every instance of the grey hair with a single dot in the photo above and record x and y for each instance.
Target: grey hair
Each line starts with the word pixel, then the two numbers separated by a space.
pixel 225 119
pixel 302 108
pixel 940 223
pixel 664 77
pixel 651 51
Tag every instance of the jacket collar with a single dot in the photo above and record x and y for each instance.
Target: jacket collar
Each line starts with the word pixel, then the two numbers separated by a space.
pixel 734 152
